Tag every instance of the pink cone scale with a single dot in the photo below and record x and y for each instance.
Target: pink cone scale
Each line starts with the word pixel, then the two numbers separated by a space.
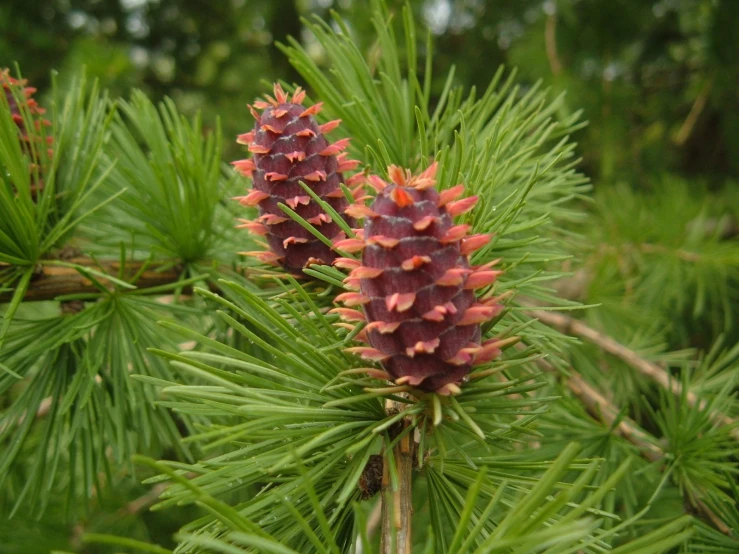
pixel 288 147
pixel 415 286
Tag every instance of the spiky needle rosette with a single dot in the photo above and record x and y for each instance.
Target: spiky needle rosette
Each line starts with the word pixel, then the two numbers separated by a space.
pixel 35 135
pixel 288 147
pixel 416 285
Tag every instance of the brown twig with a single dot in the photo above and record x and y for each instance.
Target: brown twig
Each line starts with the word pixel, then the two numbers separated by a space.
pixel 550 41
pixel 374 519
pixel 142 502
pixel 397 505
pixel 696 109
pixel 684 255
pixel 53 281
pixel 572 326
pixel 601 408
pixel 598 405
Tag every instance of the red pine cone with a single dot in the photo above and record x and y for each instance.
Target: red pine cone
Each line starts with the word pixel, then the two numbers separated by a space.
pixel 288 147
pixel 35 110
pixel 416 285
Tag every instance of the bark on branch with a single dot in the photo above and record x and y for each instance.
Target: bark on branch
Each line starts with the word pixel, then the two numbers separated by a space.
pixel 571 326
pixel 397 505
pixel 52 281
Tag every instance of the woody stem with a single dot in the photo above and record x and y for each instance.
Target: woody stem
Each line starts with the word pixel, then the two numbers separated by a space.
pixel 397 505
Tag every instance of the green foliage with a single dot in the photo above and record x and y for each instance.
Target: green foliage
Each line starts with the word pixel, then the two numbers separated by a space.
pixel 79 381
pixel 489 518
pixel 264 425
pixel 71 367
pixel 170 169
pixel 698 449
pixel 294 402
pixel 32 222
pixel 675 233
pixel 32 226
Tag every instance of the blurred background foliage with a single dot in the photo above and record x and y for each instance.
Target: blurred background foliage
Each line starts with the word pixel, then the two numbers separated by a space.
pixel 657 80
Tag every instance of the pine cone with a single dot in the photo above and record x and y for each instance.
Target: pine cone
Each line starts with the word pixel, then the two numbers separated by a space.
pixel 416 285
pixel 36 111
pixel 288 147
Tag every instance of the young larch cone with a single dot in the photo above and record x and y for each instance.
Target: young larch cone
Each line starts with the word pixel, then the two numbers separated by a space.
pixel 35 135
pixel 416 285
pixel 288 147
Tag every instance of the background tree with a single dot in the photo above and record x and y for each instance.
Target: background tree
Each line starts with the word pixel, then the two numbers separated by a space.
pixel 656 80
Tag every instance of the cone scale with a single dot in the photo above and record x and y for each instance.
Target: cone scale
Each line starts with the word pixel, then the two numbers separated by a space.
pixel 415 286
pixel 288 147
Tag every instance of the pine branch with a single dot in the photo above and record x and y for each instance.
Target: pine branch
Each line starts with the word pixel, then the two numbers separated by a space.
pixel 599 406
pixel 604 410
pixel 51 281
pixel 572 326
